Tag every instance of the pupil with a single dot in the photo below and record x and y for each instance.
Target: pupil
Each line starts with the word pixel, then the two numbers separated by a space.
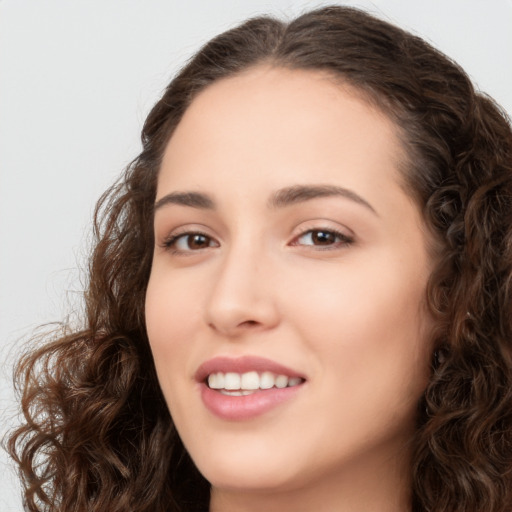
pixel 197 241
pixel 323 238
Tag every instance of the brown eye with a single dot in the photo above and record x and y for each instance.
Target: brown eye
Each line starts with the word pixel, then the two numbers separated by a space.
pixel 323 237
pixel 197 241
pixel 188 242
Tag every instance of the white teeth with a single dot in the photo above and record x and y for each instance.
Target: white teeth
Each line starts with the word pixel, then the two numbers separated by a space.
pixel 232 381
pixel 216 380
pixel 267 380
pixel 220 380
pixel 236 384
pixel 281 381
pixel 250 380
pixel 212 381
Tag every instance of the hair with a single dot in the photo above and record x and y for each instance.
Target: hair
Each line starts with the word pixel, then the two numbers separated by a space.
pixel 97 433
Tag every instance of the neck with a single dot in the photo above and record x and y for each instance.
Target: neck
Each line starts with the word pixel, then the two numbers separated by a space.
pixel 376 486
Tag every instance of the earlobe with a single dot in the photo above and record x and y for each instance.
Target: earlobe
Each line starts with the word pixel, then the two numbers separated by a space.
pixel 439 357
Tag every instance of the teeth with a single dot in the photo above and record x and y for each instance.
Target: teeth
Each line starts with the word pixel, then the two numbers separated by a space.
pixel 281 381
pixel 232 381
pixel 267 380
pixel 220 380
pixel 236 384
pixel 250 380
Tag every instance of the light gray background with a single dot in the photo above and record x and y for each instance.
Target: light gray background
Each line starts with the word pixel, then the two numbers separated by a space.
pixel 77 79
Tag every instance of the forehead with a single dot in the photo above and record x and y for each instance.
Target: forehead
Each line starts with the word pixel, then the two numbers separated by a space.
pixel 282 125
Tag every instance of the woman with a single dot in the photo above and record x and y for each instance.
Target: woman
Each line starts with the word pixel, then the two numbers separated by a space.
pixel 299 297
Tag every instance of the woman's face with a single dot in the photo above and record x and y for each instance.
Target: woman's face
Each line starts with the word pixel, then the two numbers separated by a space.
pixel 287 254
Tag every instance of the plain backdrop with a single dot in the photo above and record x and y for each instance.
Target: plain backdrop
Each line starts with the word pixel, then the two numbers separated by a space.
pixel 77 79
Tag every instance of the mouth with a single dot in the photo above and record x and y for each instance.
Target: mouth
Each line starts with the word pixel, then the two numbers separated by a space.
pixel 243 388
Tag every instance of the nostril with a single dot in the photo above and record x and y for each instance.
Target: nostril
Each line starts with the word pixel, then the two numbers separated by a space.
pixel 249 323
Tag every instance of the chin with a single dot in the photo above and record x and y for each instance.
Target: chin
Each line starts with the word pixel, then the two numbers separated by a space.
pixel 249 475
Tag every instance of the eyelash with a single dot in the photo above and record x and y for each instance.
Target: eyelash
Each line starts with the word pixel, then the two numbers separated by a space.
pixel 170 243
pixel 344 239
pixel 341 240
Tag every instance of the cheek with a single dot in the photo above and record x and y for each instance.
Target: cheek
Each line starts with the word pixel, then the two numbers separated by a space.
pixel 171 316
pixel 357 296
pixel 365 323
pixel 172 302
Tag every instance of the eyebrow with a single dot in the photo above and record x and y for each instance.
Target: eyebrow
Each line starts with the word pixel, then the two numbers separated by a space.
pixel 301 193
pixel 282 198
pixel 191 199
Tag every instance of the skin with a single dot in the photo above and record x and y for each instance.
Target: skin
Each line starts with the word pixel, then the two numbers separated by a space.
pixel 348 314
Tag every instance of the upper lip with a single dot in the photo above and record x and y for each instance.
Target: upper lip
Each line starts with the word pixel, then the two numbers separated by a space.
pixel 242 365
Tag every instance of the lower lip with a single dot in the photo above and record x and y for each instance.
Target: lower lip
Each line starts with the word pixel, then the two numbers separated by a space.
pixel 237 408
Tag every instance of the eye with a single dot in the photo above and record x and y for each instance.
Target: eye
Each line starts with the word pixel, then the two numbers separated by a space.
pixel 188 242
pixel 327 238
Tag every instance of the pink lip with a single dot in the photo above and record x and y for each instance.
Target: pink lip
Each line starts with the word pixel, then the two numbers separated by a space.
pixel 238 408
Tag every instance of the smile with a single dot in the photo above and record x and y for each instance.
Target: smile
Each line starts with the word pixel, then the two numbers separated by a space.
pixel 236 389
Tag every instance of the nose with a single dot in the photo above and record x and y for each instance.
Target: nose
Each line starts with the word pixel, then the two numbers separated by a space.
pixel 242 297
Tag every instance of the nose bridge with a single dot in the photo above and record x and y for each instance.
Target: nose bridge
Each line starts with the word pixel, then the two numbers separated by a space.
pixel 240 296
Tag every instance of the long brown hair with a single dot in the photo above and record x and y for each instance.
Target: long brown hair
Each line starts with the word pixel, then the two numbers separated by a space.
pixel 97 434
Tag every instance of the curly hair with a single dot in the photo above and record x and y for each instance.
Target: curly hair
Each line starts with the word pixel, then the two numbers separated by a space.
pixel 98 435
